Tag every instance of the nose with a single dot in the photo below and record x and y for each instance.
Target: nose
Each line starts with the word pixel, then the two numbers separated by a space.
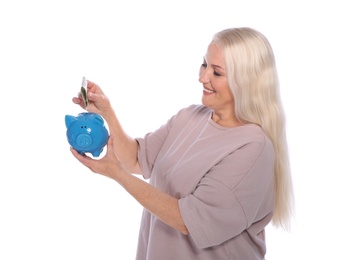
pixel 203 75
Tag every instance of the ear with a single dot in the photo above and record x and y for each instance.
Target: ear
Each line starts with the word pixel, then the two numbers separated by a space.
pixel 69 120
pixel 98 118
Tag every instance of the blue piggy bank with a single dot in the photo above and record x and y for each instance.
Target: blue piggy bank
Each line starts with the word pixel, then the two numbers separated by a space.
pixel 86 133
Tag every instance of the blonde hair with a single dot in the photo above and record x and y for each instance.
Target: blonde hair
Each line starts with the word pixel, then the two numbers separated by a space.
pixel 253 80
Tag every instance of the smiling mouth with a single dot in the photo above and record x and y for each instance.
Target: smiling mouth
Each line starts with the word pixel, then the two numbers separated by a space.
pixel 208 90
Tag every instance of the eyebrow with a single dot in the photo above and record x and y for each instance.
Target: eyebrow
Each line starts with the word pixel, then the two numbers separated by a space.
pixel 214 65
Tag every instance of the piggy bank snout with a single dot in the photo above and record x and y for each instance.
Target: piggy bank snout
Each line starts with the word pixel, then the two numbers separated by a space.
pixel 83 140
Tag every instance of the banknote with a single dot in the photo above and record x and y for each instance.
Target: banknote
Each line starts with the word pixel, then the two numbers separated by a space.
pixel 84 91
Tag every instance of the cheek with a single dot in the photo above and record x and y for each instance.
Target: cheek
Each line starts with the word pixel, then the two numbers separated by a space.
pixel 231 97
pixel 221 85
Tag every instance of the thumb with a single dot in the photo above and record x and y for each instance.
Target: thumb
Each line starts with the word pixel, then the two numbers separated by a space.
pixel 110 145
pixel 110 141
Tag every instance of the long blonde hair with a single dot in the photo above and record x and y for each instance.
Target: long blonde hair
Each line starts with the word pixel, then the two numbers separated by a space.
pixel 253 80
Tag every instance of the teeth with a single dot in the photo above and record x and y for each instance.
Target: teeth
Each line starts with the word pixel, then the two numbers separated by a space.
pixel 208 90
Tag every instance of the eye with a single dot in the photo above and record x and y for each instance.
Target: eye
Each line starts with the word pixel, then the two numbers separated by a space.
pixel 204 65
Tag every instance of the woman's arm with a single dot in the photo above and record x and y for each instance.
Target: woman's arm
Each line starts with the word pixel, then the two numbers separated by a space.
pixel 158 203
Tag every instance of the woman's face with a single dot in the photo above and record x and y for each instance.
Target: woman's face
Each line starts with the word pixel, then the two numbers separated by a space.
pixel 212 74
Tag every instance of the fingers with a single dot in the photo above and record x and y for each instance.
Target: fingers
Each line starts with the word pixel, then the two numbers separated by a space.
pixel 98 102
pixel 93 87
pixel 76 100
pixel 94 97
pixel 109 165
pixel 85 160
pixel 90 163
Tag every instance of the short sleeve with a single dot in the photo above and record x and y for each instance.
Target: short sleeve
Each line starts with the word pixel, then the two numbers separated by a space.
pixel 210 214
pixel 149 147
pixel 234 194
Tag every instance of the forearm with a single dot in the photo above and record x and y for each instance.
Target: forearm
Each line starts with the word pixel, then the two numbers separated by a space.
pixel 125 147
pixel 158 203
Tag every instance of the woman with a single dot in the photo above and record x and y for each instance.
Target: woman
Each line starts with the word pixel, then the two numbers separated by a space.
pixel 218 172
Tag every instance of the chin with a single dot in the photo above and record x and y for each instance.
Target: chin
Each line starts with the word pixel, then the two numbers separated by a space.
pixel 205 103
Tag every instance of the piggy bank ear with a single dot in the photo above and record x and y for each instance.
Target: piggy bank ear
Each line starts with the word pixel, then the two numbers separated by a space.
pixel 98 118
pixel 69 120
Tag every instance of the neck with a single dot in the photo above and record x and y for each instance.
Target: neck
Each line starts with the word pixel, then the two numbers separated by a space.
pixel 226 120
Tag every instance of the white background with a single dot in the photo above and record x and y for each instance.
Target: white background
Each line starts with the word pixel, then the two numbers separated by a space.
pixel 146 56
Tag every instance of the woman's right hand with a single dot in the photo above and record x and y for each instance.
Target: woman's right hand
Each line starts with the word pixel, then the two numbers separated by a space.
pixel 125 147
pixel 98 101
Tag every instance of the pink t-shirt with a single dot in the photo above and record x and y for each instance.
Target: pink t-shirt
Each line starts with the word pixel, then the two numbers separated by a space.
pixel 224 180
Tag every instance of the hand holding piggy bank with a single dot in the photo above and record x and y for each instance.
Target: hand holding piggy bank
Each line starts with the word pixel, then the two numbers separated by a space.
pixel 86 133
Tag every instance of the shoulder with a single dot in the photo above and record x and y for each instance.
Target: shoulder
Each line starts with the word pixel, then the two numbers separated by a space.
pixel 192 112
pixel 253 132
pixel 250 143
pixel 194 109
pixel 254 136
pixel 241 136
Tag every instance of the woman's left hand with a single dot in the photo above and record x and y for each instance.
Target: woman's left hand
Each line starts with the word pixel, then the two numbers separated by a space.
pixel 109 165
